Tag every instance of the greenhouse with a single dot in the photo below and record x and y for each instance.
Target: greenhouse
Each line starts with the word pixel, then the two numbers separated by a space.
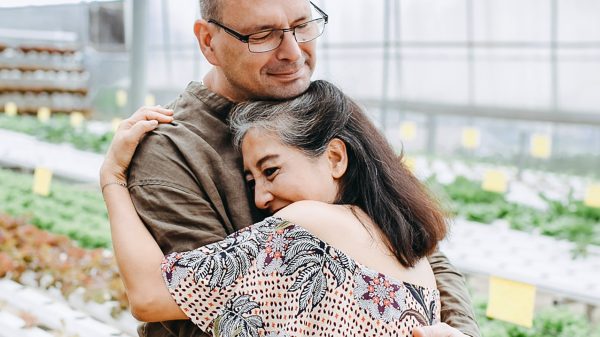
pixel 493 105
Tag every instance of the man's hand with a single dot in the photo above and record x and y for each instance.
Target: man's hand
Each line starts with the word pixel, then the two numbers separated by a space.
pixel 437 330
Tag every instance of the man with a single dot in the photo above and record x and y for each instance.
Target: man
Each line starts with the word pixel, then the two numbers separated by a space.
pixel 186 179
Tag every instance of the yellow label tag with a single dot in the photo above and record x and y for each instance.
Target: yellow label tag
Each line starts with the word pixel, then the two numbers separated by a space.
pixel 511 301
pixel 592 196
pixel 494 181
pixel 410 163
pixel 44 114
pixel 471 138
pixel 150 100
pixel 408 131
pixel 42 180
pixel 77 119
pixel 10 109
pixel 541 146
pixel 115 123
pixel 121 98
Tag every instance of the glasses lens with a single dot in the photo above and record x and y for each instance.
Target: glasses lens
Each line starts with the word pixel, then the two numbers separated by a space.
pixel 268 40
pixel 310 30
pixel 265 41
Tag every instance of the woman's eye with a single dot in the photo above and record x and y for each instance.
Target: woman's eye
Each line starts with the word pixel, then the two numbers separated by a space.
pixel 250 183
pixel 270 171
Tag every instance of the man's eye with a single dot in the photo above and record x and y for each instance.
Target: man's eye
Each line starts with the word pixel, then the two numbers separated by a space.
pixel 258 37
pixel 303 25
pixel 270 171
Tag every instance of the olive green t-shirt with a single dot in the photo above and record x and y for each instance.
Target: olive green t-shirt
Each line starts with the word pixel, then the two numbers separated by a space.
pixel 187 185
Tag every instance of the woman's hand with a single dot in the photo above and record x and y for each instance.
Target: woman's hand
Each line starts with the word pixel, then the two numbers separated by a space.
pixel 126 139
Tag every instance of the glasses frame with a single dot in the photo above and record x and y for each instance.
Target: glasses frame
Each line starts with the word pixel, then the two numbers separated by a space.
pixel 246 38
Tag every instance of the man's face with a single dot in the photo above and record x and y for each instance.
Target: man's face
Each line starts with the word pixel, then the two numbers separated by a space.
pixel 278 74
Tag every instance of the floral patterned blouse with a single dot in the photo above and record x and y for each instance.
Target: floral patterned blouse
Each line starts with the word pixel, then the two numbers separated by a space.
pixel 276 279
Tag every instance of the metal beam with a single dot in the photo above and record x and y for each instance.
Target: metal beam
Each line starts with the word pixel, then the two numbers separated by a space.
pixel 139 54
pixel 478 111
pixel 464 44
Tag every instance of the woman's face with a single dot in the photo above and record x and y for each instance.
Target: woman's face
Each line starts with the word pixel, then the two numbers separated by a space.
pixel 281 175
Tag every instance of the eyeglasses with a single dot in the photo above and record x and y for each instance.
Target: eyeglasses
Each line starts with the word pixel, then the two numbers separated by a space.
pixel 270 39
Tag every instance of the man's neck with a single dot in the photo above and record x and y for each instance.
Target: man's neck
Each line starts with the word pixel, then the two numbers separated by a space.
pixel 217 83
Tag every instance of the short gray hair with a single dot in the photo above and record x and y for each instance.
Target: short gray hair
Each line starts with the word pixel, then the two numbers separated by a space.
pixel 210 9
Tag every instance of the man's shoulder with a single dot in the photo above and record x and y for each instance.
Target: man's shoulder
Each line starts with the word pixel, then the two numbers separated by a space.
pixel 197 124
pixel 196 144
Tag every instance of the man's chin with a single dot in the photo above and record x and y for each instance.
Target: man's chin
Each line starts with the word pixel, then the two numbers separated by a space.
pixel 287 89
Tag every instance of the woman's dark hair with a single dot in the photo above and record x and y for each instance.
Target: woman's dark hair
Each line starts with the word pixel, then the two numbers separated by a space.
pixel 376 180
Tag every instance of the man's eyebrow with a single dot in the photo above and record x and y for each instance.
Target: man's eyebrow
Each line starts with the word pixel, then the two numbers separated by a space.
pixel 255 29
pixel 300 20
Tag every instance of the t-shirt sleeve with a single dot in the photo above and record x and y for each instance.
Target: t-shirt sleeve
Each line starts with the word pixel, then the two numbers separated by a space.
pixel 174 204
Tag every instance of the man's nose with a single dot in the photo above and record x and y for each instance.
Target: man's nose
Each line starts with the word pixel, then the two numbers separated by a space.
pixel 289 49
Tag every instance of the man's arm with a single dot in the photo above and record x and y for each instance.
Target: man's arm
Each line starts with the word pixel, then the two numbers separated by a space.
pixel 172 196
pixel 457 310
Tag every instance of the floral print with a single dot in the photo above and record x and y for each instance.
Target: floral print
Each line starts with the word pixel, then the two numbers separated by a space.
pixel 271 257
pixel 277 279
pixel 381 297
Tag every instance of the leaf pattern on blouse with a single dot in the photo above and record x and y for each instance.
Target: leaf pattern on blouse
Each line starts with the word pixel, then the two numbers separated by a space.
pixel 223 261
pixel 428 303
pixel 277 259
pixel 235 319
pixel 310 258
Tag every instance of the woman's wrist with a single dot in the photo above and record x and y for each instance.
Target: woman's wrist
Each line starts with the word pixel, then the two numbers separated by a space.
pixel 111 175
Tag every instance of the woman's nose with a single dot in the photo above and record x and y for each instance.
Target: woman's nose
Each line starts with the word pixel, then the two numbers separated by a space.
pixel 262 197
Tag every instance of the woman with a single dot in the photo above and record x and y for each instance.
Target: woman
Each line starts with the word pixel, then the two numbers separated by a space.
pixel 343 254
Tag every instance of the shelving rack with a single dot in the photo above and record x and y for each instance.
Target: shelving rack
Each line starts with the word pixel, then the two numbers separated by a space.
pixel 36 73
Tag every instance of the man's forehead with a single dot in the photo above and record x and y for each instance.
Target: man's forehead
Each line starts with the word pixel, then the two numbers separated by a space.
pixel 254 13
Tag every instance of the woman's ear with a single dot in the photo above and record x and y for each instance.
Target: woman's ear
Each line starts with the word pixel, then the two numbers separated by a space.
pixel 204 35
pixel 338 158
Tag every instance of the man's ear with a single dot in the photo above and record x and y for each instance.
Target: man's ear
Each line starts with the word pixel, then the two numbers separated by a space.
pixel 204 35
pixel 338 157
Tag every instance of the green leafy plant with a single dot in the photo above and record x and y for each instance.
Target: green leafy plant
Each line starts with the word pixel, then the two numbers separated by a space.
pixel 75 211
pixel 549 322
pixel 571 220
pixel 58 130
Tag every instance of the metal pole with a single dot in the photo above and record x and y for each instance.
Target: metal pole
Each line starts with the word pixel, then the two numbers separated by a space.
pixel 554 54
pixel 471 65
pixel 326 49
pixel 386 58
pixel 398 21
pixel 167 39
pixel 554 70
pixel 139 44
pixel 471 53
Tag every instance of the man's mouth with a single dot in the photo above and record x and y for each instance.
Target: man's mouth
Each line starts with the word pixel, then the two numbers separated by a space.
pixel 288 74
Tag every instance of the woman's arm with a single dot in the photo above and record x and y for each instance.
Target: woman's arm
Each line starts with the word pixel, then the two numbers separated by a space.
pixel 138 256
pixel 139 259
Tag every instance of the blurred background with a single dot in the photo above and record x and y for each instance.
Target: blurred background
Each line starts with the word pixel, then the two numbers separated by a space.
pixel 495 105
